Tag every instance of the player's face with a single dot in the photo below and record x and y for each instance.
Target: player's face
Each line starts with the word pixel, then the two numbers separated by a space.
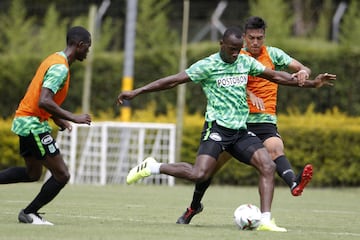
pixel 230 48
pixel 82 50
pixel 254 40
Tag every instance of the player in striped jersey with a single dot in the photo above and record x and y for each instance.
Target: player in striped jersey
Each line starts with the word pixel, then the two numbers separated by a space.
pixel 262 120
pixel 223 77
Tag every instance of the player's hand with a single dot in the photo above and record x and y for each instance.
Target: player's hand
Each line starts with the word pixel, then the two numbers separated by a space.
pixel 62 124
pixel 125 95
pixel 324 79
pixel 82 118
pixel 301 76
pixel 256 101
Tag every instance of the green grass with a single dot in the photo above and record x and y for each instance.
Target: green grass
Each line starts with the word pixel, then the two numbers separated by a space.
pixel 149 213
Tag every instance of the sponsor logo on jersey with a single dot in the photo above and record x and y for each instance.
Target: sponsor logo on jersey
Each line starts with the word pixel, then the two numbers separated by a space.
pixel 52 148
pixel 215 136
pixel 238 80
pixel 251 134
pixel 46 139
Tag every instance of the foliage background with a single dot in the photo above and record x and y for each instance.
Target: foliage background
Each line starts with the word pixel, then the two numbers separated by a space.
pixel 30 30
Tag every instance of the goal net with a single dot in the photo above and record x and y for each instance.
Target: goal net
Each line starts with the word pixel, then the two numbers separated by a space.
pixel 104 152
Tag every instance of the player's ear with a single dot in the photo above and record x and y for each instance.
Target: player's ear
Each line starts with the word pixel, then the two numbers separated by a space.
pixel 84 44
pixel 80 44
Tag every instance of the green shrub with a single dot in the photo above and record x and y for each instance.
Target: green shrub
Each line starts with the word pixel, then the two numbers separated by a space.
pixel 331 142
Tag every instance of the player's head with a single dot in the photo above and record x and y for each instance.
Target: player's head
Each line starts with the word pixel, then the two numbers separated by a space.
pixel 79 39
pixel 254 34
pixel 231 44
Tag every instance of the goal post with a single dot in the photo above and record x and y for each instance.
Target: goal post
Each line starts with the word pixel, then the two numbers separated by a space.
pixel 104 152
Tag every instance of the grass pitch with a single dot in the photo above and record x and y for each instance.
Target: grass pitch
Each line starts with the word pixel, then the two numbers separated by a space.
pixel 150 212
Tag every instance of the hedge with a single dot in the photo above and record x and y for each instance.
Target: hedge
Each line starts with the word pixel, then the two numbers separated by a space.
pixel 331 142
pixel 17 71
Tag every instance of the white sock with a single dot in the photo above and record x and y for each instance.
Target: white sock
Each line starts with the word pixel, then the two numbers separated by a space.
pixel 155 167
pixel 265 217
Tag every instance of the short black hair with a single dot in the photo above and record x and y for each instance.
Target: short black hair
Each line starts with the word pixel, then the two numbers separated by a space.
pixel 77 34
pixel 232 31
pixel 255 22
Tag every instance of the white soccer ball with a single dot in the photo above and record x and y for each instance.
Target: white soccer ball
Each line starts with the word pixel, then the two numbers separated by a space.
pixel 247 216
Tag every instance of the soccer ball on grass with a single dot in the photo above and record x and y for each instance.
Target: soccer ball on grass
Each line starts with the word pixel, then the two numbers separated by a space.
pixel 247 216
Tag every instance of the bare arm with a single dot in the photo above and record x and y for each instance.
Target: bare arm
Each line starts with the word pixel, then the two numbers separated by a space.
pixel 301 72
pixel 296 66
pixel 279 77
pixel 157 85
pixel 285 78
pixel 256 101
pixel 47 103
pixel 62 124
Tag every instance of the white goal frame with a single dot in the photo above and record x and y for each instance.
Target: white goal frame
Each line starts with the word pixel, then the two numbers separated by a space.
pixel 103 152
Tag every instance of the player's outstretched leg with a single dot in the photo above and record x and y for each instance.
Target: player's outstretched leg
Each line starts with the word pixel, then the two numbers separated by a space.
pixel 302 180
pixel 188 214
pixel 141 171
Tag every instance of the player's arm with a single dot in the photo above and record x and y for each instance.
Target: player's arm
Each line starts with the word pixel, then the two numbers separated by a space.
pixel 157 85
pixel 255 101
pixel 47 103
pixel 62 123
pixel 302 72
pixel 296 66
pixel 288 79
pixel 54 79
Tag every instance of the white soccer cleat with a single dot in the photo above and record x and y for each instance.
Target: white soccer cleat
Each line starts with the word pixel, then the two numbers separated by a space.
pixel 140 171
pixel 33 218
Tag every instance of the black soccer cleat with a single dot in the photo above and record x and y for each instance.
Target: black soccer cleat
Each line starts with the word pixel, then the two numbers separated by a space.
pixel 189 214
pixel 32 218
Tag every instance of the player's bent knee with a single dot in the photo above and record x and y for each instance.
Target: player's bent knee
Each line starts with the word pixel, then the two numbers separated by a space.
pixel 262 161
pixel 270 167
pixel 34 178
pixel 200 176
pixel 62 177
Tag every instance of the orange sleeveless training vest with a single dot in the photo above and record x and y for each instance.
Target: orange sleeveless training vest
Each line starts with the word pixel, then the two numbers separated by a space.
pixel 261 87
pixel 29 104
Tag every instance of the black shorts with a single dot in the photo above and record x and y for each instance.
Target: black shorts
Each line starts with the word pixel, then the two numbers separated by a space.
pixel 38 145
pixel 241 144
pixel 264 130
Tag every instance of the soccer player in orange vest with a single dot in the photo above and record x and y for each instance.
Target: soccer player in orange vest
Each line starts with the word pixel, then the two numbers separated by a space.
pixel 42 100
pixel 262 120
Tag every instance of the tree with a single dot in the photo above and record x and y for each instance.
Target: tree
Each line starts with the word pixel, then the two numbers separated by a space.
pixel 154 36
pixel 350 27
pixel 299 25
pixel 276 14
pixel 323 27
pixel 50 40
pixel 16 30
pixel 152 29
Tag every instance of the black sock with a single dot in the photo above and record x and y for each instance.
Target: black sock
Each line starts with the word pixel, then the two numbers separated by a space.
pixel 47 193
pixel 283 168
pixel 14 175
pixel 200 189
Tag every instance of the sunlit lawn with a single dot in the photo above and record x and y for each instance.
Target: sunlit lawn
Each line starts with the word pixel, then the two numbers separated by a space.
pixel 150 212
